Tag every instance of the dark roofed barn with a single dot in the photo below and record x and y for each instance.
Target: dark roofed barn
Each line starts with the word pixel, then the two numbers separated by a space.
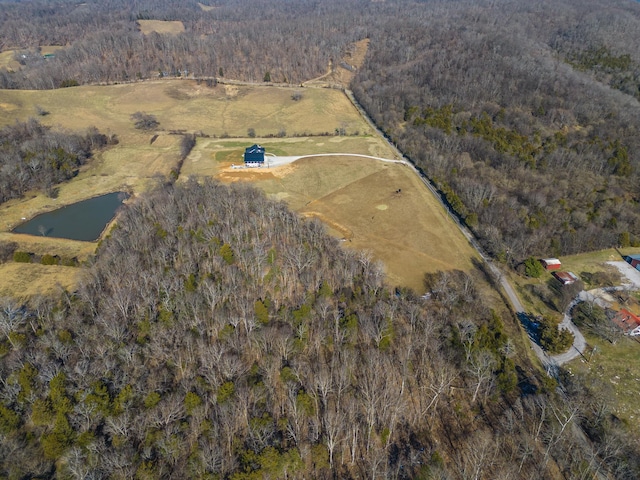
pixel 254 155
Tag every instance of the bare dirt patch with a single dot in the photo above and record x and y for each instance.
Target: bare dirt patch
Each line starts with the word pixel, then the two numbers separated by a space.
pixel 341 72
pixel 161 26
pixel 206 8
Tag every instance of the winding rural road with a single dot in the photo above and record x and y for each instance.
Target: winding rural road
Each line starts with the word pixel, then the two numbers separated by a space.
pixel 550 362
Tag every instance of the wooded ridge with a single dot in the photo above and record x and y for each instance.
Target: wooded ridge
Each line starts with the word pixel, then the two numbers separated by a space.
pixel 218 335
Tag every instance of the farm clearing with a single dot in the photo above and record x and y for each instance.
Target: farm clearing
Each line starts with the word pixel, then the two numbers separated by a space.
pixel 167 27
pixel 372 205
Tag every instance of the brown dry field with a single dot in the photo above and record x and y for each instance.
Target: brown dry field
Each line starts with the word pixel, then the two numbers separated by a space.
pixel 359 202
pixel 25 280
pixel 161 26
pixel 410 232
pixel 7 61
pixel 185 105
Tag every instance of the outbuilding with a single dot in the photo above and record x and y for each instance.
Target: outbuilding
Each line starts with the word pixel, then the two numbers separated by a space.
pixel 254 155
pixel 628 322
pixel 633 260
pixel 551 263
pixel 566 278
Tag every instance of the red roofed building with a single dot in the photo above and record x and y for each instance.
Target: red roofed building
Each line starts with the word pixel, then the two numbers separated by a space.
pixel 566 278
pixel 628 322
pixel 551 263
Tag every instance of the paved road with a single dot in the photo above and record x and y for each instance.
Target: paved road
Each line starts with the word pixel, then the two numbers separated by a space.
pixel 549 362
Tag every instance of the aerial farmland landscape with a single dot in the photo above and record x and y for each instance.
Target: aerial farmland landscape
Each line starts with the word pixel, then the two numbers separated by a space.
pixel 294 239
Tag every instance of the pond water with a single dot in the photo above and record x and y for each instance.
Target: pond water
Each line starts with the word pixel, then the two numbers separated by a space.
pixel 80 221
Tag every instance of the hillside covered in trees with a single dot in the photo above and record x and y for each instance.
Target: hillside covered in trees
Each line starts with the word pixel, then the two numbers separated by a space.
pixel 525 115
pixel 218 335
pixel 34 157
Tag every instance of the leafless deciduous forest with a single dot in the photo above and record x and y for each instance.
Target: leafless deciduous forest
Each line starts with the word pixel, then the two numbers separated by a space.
pixel 33 157
pixel 217 335
pixel 526 116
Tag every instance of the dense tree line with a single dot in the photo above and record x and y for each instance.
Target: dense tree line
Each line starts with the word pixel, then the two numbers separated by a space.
pixel 218 335
pixel 34 157
pixel 509 107
pixel 239 40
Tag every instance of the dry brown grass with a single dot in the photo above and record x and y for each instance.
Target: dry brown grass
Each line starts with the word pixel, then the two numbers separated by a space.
pixel 23 280
pixel 357 198
pixel 46 49
pixel 161 26
pixel 185 105
pixel 7 61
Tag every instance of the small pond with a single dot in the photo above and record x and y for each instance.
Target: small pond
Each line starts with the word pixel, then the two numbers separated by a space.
pixel 80 221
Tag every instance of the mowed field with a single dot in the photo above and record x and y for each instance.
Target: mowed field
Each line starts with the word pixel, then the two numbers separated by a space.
pixel 161 26
pixel 358 199
pixel 369 204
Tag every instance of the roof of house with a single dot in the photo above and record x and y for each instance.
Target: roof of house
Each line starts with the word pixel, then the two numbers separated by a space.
pixel 551 261
pixel 626 320
pixel 254 149
pixel 565 277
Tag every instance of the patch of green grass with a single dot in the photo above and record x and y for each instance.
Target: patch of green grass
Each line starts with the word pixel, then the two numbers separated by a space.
pixel 617 368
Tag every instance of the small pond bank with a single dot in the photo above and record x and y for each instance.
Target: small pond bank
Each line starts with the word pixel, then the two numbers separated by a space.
pixel 82 221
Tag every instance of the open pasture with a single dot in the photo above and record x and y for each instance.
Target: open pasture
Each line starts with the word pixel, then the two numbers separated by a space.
pixel 371 205
pixel 161 26
pixel 223 110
